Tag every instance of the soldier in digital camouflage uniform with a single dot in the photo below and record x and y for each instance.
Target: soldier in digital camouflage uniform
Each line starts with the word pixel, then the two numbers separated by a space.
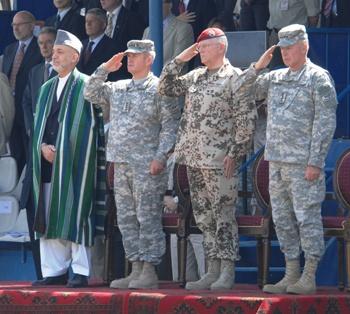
pixel 215 132
pixel 143 128
pixel 301 122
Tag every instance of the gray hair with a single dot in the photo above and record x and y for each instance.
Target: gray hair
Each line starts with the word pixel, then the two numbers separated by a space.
pixel 48 30
pixel 221 40
pixel 152 54
pixel 99 13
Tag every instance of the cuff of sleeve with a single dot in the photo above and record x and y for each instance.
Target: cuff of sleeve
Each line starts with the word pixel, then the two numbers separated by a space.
pixel 237 151
pixel 175 66
pixel 161 157
pixel 316 162
pixel 178 62
pixel 102 71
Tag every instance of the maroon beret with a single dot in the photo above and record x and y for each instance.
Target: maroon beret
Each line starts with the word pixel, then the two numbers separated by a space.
pixel 210 33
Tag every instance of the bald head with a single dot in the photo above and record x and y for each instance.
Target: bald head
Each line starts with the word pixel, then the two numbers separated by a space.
pixel 23 25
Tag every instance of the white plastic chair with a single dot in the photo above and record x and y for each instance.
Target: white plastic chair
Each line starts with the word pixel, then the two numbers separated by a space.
pixel 9 207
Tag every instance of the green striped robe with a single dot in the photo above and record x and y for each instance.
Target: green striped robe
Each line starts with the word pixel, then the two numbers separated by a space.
pixel 78 171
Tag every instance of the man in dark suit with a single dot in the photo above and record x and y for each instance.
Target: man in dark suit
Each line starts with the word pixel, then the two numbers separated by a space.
pixel 203 11
pixel 38 75
pixel 123 25
pixel 86 4
pixel 335 13
pixel 67 18
pixel 141 7
pixel 19 57
pixel 99 47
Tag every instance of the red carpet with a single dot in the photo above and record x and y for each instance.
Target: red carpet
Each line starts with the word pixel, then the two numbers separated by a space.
pixel 243 299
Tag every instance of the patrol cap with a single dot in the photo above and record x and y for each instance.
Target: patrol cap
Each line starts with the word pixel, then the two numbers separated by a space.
pixel 210 33
pixel 291 34
pixel 140 46
pixel 68 39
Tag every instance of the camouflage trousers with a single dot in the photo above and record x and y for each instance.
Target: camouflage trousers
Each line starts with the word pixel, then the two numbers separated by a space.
pixel 296 210
pixel 213 199
pixel 139 201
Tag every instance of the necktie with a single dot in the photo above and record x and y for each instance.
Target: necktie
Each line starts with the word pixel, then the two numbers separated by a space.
pixel 88 52
pixel 109 28
pixel 327 8
pixel 16 65
pixel 47 71
pixel 182 7
pixel 57 21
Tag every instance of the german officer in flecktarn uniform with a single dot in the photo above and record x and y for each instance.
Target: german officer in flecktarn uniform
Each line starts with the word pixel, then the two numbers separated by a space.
pixel 142 131
pixel 215 132
pixel 301 121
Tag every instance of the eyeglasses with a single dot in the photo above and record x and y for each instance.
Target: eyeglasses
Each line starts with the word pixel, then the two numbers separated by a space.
pixel 205 46
pixel 19 24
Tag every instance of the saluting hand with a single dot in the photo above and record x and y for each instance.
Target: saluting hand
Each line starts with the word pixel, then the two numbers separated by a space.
pixel 265 59
pixel 114 63
pixel 188 53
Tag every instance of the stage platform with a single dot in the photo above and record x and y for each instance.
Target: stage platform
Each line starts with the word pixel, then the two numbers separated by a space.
pixel 20 297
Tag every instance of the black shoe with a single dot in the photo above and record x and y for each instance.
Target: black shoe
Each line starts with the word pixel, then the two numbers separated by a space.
pixel 51 281
pixel 78 281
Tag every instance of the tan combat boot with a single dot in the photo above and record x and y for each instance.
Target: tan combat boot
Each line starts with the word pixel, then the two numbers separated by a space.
pixel 227 276
pixel 136 268
pixel 291 276
pixel 147 280
pixel 210 277
pixel 307 283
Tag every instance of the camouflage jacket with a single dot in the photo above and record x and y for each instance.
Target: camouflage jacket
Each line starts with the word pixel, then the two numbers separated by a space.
pixel 301 114
pixel 143 124
pixel 218 118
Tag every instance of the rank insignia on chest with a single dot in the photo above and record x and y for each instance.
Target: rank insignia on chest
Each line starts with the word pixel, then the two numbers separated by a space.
pixel 126 106
pixel 283 98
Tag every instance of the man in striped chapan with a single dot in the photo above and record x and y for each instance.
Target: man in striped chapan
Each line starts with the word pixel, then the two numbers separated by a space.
pixel 67 169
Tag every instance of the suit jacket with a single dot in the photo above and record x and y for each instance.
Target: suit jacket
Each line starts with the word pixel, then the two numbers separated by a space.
pixel 31 58
pixel 224 9
pixel 31 92
pixel 342 19
pixel 104 50
pixel 141 7
pixel 205 10
pixel 7 111
pixel 72 22
pixel 30 97
pixel 129 26
pixel 177 36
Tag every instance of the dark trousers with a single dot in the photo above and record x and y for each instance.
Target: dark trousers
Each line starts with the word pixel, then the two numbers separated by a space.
pixel 19 145
pixel 254 17
pixel 35 244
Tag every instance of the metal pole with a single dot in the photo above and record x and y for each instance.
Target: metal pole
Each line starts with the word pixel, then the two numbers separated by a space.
pixel 156 32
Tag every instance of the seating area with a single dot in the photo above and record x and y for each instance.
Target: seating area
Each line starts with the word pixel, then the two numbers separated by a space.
pixel 13 222
pixel 259 227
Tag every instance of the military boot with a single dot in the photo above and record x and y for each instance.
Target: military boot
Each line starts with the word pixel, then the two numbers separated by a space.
pixel 136 268
pixel 210 277
pixel 147 280
pixel 227 276
pixel 291 276
pixel 307 283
